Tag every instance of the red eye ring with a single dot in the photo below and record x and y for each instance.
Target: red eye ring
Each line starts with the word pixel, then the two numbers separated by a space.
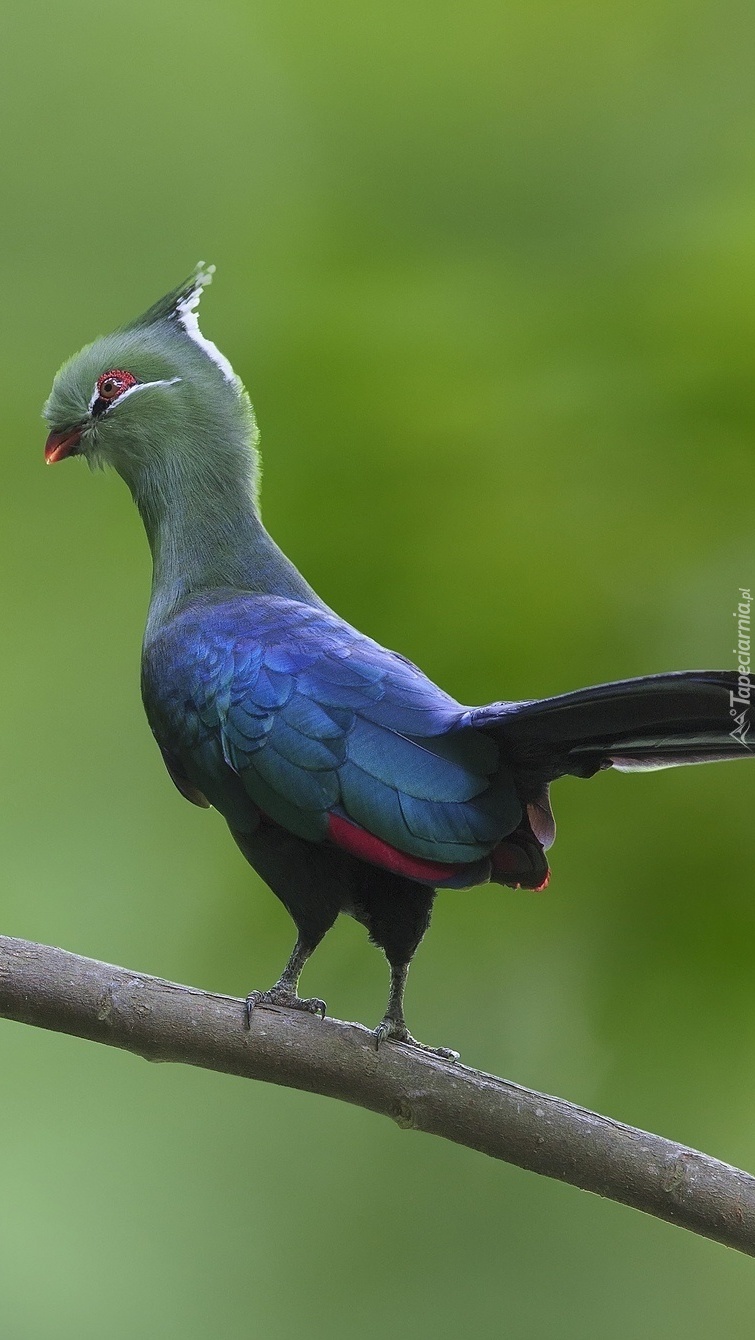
pixel 112 384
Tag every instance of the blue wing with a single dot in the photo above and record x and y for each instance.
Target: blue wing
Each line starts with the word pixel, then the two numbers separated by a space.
pixel 270 705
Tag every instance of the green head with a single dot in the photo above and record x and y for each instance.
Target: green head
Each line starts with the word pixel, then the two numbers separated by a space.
pixel 154 399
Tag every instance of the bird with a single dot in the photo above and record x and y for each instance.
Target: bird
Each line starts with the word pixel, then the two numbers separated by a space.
pixel 350 782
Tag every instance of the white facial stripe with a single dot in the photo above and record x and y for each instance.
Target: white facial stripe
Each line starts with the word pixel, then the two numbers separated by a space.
pixel 187 315
pixel 138 386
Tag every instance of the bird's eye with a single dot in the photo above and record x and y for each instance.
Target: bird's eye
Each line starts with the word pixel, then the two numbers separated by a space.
pixel 112 384
pixel 109 387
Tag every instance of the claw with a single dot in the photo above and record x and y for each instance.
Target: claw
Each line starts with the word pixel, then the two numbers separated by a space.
pixel 389 1028
pixel 287 999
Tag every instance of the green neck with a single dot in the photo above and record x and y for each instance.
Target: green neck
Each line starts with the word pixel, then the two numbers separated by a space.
pixel 205 533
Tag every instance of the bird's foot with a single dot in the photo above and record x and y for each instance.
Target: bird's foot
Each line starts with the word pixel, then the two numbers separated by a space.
pixel 397 1031
pixel 285 996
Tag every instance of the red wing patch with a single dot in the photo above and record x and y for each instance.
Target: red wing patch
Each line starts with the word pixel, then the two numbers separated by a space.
pixel 372 849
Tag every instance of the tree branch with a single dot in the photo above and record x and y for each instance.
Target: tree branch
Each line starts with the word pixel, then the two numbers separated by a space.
pixel 163 1021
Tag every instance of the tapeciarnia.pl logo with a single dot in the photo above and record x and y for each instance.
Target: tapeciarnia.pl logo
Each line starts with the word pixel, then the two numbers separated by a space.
pixel 739 702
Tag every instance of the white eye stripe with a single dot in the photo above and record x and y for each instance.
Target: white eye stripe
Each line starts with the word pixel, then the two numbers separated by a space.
pixel 138 386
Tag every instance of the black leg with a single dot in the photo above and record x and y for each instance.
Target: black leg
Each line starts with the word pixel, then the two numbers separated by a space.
pixel 308 880
pixel 396 912
pixel 285 991
pixel 393 1023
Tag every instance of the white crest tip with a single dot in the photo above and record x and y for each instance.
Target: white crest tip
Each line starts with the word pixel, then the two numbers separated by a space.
pixel 204 274
pixel 186 311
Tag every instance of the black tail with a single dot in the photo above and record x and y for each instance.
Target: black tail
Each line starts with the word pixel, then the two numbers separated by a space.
pixel 694 716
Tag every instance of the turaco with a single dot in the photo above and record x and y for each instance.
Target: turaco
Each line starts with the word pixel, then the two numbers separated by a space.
pixel 350 782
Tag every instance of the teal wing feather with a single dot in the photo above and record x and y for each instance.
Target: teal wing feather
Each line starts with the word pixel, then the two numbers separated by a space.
pixel 308 718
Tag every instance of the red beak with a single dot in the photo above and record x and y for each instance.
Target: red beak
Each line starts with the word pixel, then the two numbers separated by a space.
pixel 60 445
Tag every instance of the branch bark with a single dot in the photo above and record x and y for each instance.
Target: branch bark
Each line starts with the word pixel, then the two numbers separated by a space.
pixel 163 1021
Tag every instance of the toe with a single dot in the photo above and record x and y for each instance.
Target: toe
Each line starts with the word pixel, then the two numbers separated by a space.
pixel 287 999
pixel 252 999
pixel 380 1034
pixel 396 1032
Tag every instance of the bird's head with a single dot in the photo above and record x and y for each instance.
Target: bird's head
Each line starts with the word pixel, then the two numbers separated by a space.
pixel 151 392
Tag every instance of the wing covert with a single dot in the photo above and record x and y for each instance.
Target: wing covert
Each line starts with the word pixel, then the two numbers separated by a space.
pixel 315 720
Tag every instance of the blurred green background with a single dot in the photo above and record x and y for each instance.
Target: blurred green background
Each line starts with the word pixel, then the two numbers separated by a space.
pixel 488 271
